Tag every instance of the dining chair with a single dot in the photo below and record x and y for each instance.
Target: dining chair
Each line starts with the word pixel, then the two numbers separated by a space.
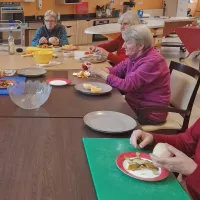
pixel 184 83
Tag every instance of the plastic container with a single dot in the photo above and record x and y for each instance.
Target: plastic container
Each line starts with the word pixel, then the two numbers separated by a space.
pixel 43 57
pixel 11 45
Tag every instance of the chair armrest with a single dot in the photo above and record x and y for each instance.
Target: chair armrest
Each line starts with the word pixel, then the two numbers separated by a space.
pixel 162 109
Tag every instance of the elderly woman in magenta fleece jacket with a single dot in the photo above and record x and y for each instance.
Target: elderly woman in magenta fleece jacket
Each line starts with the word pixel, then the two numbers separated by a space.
pixel 183 147
pixel 106 49
pixel 144 76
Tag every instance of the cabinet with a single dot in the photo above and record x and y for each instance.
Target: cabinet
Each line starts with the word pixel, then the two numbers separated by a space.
pixel 81 37
pixel 157 37
pixel 76 31
pixel 113 20
pixel 71 28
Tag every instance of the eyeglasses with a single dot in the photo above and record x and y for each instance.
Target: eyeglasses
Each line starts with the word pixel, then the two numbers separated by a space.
pixel 49 21
pixel 125 24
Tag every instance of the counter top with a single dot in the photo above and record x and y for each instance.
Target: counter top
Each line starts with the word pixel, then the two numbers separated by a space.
pixel 115 27
pixel 150 22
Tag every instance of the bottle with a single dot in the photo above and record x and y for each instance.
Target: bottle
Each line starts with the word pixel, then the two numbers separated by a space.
pixel 11 45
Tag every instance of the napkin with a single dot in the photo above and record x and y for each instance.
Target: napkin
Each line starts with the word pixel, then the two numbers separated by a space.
pixel 79 54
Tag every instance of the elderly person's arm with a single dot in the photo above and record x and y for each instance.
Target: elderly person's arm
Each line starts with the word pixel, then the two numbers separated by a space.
pixel 118 71
pixel 145 73
pixel 113 46
pixel 63 39
pixel 36 38
pixel 186 143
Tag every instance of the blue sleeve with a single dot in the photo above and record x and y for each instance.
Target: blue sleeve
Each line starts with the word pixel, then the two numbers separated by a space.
pixel 63 37
pixel 36 38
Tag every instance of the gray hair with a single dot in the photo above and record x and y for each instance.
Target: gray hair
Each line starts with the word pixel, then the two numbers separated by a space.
pixel 139 34
pixel 131 16
pixel 50 13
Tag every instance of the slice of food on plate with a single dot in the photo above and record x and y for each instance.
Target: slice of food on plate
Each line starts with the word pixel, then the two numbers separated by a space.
pixel 141 164
pixel 70 47
pixel 95 89
pixel 87 86
pixel 6 83
pixel 82 74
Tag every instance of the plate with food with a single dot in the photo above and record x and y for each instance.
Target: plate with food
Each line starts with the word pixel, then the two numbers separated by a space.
pixel 93 88
pixel 70 47
pixel 45 46
pixel 93 59
pixel 139 166
pixel 5 83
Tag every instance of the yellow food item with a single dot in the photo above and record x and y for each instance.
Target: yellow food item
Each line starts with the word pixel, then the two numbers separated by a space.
pixel 95 89
pixel 87 86
pixel 70 47
pixel 139 164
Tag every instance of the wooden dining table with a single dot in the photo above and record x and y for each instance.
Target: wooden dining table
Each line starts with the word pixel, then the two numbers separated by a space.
pixel 42 155
pixel 66 101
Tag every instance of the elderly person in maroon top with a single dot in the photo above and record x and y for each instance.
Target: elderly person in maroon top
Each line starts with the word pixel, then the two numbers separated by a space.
pixel 183 146
pixel 144 76
pixel 126 20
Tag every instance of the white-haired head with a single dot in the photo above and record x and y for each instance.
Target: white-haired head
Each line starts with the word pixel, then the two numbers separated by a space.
pixel 50 13
pixel 140 35
pixel 131 17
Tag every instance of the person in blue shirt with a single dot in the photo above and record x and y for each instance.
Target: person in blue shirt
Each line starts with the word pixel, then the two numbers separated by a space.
pixel 51 32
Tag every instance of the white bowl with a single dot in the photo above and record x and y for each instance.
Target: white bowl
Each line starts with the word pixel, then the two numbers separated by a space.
pixel 68 54
pixel 57 49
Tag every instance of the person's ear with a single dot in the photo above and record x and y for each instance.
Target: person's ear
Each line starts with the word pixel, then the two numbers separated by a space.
pixel 141 47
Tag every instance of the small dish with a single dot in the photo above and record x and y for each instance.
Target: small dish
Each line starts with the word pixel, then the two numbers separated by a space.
pixel 58 81
pixel 57 48
pixel 68 53
pixel 142 174
pixel 9 72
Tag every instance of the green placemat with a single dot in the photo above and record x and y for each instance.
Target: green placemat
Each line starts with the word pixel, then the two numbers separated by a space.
pixel 111 184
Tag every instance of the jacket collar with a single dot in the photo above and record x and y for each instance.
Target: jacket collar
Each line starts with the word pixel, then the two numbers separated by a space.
pixel 133 60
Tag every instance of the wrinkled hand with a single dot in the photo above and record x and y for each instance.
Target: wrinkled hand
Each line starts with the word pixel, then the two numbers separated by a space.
pixel 180 163
pixel 140 139
pixel 92 49
pixel 54 40
pixel 101 51
pixel 94 70
pixel 43 40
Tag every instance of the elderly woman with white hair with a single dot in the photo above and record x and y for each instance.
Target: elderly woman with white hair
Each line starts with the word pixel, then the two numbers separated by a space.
pixel 144 76
pixel 51 32
pixel 126 20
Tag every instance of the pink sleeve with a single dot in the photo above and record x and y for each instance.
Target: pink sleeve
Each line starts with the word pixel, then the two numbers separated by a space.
pixel 119 70
pixel 146 72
